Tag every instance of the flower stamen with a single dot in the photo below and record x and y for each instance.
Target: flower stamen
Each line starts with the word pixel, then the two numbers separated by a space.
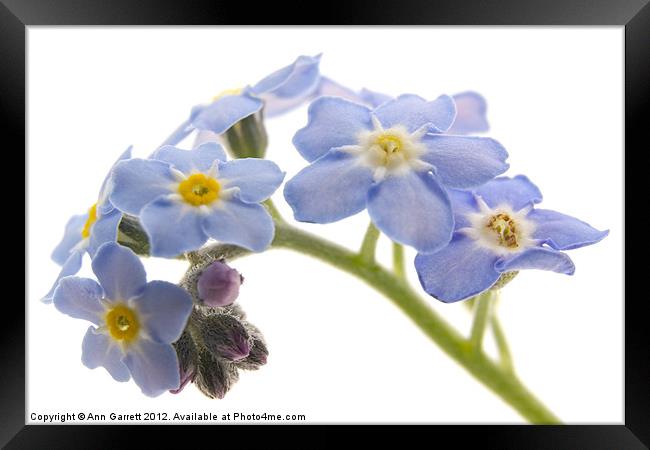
pixel 392 150
pixel 505 229
pixel 199 189
pixel 122 323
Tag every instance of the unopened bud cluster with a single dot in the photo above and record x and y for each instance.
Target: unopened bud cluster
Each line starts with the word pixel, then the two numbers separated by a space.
pixel 218 340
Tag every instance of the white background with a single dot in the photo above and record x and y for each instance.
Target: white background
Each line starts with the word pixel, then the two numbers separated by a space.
pixel 339 351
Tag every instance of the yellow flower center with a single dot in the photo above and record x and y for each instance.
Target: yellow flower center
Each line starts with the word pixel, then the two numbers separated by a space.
pixel 199 189
pixel 226 93
pixel 389 143
pixel 505 229
pixel 122 322
pixel 92 218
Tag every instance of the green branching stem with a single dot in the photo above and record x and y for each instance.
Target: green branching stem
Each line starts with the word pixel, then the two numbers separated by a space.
pixel 398 261
pixel 505 359
pixel 501 381
pixel 481 317
pixel 369 245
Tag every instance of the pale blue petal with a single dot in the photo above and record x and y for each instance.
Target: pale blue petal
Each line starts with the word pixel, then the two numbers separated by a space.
pixel 173 227
pixel 154 367
pixel 185 128
pixel 373 99
pixel 275 106
pixel 297 79
pixel 103 204
pixel 70 267
pixel 412 209
pixel 163 309
pixel 137 182
pixel 104 230
pixel 330 88
pixel 289 87
pixel 99 350
pixel 80 298
pixel 537 258
pixel 119 271
pixel 247 225
pixel 203 137
pixel 256 178
pixel 464 161
pixel 563 232
pixel 462 203
pixel 199 159
pixel 330 189
pixel 71 237
pixel 517 192
pixel 333 122
pixel 458 271
pixel 470 114
pixel 225 112
pixel 412 112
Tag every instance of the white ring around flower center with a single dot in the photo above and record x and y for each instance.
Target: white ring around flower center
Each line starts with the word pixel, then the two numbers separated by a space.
pixel 392 151
pixel 500 229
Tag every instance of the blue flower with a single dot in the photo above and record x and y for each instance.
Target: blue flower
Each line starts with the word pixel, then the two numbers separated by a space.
pixel 136 321
pixel 183 197
pixel 498 231
pixel 278 92
pixel 471 107
pixel 87 232
pixel 392 160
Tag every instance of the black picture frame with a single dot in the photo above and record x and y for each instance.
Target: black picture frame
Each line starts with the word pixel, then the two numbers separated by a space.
pixel 634 15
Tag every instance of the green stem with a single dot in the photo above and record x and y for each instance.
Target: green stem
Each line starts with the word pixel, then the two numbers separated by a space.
pixel 481 316
pixel 273 210
pixel 504 384
pixel 369 245
pixel 398 261
pixel 505 358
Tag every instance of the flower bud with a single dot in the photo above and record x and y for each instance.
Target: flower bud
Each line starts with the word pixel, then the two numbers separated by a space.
pixel 214 377
pixel 225 337
pixel 131 234
pixel 218 284
pixel 187 360
pixel 256 357
pixel 247 138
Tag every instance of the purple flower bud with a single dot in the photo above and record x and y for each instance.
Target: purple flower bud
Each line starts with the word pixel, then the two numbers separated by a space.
pixel 187 360
pixel 186 377
pixel 226 337
pixel 256 357
pixel 236 347
pixel 218 284
pixel 215 377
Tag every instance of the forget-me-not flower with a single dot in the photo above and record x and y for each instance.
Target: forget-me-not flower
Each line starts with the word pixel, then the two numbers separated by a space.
pixel 392 160
pixel 498 231
pixel 278 92
pixel 471 106
pixel 182 197
pixel 87 232
pixel 135 321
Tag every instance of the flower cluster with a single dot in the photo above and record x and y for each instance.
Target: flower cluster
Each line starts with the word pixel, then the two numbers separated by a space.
pixel 412 163
pixel 168 205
